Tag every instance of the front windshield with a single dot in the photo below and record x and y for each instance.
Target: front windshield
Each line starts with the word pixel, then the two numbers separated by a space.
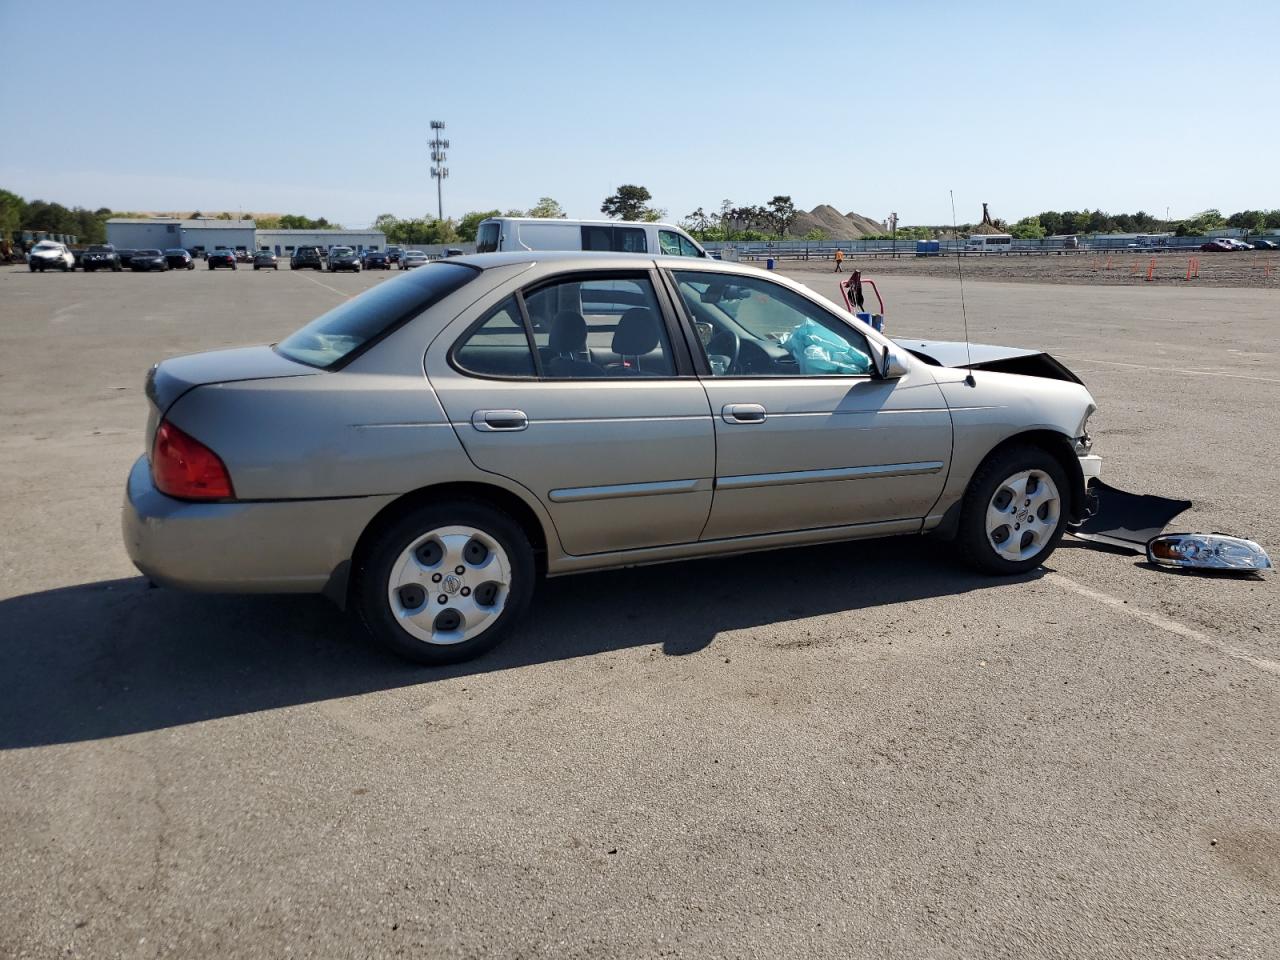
pixel 342 251
pixel 326 340
pixel 147 253
pixel 100 249
pixel 47 245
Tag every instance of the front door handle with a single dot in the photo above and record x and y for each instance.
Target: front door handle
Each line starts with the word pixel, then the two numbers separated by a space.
pixel 744 413
pixel 500 421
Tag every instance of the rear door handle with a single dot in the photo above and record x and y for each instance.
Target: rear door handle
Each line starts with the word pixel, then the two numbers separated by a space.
pixel 744 413
pixel 500 421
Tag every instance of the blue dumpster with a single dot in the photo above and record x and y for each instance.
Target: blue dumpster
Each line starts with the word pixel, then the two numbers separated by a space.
pixel 768 264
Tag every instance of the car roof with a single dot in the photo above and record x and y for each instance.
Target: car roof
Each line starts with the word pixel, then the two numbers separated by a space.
pixel 594 260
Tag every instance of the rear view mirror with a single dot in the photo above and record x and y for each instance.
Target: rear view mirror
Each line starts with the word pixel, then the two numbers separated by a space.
pixel 1207 551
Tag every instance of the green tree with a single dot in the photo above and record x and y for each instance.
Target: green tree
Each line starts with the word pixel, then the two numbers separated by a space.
pixel 781 214
pixel 470 223
pixel 1028 228
pixel 815 234
pixel 630 202
pixel 546 207
pixel 12 211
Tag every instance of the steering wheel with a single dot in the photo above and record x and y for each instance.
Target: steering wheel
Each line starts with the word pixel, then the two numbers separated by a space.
pixel 728 333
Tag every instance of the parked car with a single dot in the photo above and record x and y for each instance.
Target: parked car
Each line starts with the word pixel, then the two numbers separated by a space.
pixel 77 254
pixel 376 260
pixel 100 256
pixel 148 260
pixel 265 260
pixel 1220 245
pixel 221 258
pixel 179 259
pixel 453 252
pixel 126 255
pixel 1239 244
pixel 1260 244
pixel 51 255
pixel 306 258
pixel 343 258
pixel 576 412
pixel 394 254
pixel 412 258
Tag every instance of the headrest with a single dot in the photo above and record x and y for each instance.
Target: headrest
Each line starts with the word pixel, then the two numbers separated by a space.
pixel 568 333
pixel 638 333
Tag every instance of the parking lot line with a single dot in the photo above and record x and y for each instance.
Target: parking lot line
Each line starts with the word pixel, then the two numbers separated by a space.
pixel 1143 366
pixel 307 276
pixel 1164 623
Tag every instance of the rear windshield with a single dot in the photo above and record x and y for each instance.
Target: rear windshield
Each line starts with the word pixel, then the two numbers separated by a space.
pixel 328 339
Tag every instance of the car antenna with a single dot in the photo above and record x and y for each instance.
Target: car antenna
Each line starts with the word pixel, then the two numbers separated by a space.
pixel 968 352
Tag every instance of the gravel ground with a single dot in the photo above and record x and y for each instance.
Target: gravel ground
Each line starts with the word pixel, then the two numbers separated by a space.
pixel 851 751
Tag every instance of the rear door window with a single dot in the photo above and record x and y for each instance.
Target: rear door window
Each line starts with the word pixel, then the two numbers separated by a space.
pixel 602 325
pixel 597 237
pixel 499 346
pixel 630 240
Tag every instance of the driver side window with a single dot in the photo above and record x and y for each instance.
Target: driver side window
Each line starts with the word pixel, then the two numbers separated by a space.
pixel 753 327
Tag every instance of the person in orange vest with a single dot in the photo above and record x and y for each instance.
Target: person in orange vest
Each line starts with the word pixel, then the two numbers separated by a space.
pixel 839 259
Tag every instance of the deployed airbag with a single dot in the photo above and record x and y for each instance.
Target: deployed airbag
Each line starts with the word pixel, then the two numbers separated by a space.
pixel 817 351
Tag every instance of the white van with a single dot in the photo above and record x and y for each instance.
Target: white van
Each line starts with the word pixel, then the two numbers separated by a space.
pixel 989 243
pixel 620 236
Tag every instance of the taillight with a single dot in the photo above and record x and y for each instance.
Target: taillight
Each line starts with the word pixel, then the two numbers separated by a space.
pixel 183 467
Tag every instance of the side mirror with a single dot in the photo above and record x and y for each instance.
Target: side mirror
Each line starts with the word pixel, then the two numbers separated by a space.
pixel 890 365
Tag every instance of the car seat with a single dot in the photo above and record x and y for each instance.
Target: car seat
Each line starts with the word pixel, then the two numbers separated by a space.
pixel 567 347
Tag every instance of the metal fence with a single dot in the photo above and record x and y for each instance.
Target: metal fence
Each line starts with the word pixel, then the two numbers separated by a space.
pixel 1049 246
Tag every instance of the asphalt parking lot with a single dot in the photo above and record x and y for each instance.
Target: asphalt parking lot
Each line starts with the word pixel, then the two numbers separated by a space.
pixel 854 750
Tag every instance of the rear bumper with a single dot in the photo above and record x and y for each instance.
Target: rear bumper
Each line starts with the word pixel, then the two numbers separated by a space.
pixel 283 546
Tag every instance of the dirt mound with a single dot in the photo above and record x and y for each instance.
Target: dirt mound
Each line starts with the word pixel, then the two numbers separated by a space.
pixel 987 225
pixel 834 224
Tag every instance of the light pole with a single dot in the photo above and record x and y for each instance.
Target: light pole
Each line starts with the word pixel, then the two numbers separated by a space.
pixel 438 156
pixel 893 225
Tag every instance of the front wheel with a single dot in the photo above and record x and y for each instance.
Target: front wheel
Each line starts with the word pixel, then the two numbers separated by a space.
pixel 445 582
pixel 1014 512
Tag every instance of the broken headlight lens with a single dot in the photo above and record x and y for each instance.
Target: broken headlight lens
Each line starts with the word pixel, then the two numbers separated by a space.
pixel 1207 551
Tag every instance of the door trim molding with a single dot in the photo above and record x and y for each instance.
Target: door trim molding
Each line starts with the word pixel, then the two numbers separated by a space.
pixel 616 491
pixel 836 473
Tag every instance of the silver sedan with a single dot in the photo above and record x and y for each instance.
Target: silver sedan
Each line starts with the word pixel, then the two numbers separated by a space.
pixel 424 452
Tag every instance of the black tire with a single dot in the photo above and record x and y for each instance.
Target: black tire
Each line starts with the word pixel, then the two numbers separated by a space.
pixel 117 268
pixel 975 546
pixel 373 569
pixel 255 266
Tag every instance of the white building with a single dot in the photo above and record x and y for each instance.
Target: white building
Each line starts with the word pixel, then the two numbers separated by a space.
pixel 283 242
pixel 166 233
pixel 206 233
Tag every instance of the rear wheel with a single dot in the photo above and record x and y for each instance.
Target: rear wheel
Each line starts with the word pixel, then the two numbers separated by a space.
pixel 445 582
pixel 1014 512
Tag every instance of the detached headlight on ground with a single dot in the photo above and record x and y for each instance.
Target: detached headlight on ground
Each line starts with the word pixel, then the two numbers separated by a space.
pixel 1207 551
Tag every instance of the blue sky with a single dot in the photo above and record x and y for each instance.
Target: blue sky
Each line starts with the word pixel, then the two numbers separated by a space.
pixel 322 108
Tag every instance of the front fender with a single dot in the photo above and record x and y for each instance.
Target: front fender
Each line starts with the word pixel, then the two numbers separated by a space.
pixel 997 408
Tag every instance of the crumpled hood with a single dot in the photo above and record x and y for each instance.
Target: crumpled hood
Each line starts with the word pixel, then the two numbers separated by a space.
pixel 952 353
pixel 987 356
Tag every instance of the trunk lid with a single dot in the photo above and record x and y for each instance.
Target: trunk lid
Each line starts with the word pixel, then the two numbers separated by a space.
pixel 170 379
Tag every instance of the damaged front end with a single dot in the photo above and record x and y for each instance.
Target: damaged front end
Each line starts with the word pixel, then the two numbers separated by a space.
pixel 1111 517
